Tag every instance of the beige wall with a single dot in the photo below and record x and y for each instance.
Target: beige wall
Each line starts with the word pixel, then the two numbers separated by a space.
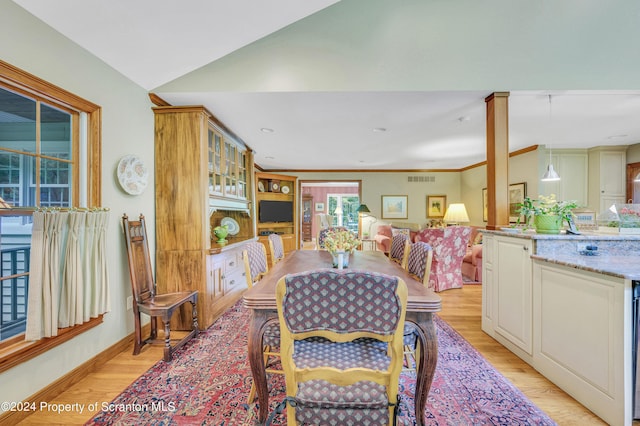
pixel 127 128
pixel 633 154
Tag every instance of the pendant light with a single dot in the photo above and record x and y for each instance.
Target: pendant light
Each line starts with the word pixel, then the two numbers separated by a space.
pixel 551 175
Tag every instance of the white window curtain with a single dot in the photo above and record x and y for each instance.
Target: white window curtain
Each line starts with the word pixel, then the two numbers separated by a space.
pixel 68 279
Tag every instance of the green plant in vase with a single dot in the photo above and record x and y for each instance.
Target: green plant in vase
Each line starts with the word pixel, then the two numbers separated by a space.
pixel 548 214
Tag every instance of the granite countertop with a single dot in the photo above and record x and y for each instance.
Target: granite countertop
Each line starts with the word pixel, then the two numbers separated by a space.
pixel 584 235
pixel 618 266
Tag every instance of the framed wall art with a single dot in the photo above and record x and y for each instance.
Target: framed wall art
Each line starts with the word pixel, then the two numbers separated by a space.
pixel 319 207
pixel 436 206
pixel 517 192
pixel 395 206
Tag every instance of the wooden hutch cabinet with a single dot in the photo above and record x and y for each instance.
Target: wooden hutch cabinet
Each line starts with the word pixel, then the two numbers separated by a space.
pixel 203 177
pixel 307 217
pixel 276 209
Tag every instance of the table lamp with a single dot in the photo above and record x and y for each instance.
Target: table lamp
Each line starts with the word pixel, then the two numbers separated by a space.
pixel 456 214
pixel 363 211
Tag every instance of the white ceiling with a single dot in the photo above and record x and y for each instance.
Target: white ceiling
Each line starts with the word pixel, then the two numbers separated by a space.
pixel 154 42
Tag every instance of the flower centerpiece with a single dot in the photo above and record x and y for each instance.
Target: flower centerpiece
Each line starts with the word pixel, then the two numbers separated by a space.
pixel 547 212
pixel 341 241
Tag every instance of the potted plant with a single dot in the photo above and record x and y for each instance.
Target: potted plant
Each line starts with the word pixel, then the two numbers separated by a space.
pixel 548 213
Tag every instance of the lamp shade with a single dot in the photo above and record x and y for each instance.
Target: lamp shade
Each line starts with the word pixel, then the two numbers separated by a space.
pixel 551 175
pixel 456 213
pixel 363 209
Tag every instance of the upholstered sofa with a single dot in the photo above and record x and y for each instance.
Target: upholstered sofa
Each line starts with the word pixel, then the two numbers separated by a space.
pixel 386 231
pixel 472 261
pixel 449 247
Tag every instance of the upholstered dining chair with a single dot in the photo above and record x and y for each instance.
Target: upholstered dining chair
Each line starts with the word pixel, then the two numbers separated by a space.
pixel 342 355
pixel 419 266
pixel 254 257
pixel 400 249
pixel 145 295
pixel 276 248
pixel 322 234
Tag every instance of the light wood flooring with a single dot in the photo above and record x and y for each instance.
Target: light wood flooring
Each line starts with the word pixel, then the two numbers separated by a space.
pixel 460 308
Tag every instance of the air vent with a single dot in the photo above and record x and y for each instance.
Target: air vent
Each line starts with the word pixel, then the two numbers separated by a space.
pixel 421 179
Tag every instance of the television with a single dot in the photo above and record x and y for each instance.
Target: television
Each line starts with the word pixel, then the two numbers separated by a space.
pixel 275 211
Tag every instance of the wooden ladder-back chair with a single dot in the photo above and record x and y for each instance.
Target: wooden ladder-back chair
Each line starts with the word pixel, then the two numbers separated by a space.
pixel 399 250
pixel 254 256
pixel 276 248
pixel 146 300
pixel 419 266
pixel 341 346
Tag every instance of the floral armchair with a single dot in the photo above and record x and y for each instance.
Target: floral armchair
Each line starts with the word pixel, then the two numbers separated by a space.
pixel 449 247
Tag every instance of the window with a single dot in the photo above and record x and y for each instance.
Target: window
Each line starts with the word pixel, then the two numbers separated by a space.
pixel 44 133
pixel 343 208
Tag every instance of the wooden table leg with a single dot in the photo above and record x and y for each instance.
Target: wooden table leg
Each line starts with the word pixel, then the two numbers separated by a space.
pixel 256 362
pixel 428 341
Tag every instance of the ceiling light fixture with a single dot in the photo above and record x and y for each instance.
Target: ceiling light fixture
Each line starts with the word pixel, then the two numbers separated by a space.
pixel 379 129
pixel 551 175
pixel 266 130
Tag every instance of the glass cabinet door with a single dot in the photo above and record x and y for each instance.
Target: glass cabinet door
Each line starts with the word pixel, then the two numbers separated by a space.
pixel 242 174
pixel 215 162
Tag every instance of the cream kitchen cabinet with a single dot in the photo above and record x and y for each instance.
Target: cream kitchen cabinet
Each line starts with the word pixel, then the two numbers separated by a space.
pixel 573 166
pixel 582 337
pixel 507 295
pixel 607 177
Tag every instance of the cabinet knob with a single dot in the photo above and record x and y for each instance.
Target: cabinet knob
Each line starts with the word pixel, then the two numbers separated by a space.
pixel 525 248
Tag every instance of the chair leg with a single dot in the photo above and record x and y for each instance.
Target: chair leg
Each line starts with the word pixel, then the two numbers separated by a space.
pixel 137 340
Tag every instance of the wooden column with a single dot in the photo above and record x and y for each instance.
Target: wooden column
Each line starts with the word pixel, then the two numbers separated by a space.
pixel 498 159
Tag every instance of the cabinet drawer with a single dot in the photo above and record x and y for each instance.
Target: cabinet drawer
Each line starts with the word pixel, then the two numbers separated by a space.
pixel 234 281
pixel 233 262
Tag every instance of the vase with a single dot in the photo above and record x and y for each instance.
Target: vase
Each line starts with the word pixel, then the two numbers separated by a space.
pixel 548 224
pixel 221 233
pixel 336 259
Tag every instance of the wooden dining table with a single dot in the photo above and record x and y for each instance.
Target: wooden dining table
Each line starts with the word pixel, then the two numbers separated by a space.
pixel 421 304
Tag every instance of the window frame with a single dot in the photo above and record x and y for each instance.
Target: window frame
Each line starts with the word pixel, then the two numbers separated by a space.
pixel 16 350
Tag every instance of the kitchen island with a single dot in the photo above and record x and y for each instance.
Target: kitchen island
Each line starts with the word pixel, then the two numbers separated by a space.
pixel 567 314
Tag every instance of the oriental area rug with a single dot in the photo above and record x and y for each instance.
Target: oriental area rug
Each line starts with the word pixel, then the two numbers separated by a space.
pixel 208 381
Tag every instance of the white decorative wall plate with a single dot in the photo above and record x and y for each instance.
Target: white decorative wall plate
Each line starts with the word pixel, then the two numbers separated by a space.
pixel 132 175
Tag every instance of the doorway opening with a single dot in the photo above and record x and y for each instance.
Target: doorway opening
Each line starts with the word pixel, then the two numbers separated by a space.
pixel 328 203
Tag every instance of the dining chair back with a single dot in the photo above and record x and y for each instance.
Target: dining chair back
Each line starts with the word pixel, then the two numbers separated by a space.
pixel 322 234
pixel 341 345
pixel 419 266
pixel 400 249
pixel 276 248
pixel 254 257
pixel 419 261
pixel 145 296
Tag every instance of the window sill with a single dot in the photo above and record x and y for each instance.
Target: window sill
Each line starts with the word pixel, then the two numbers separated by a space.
pixel 16 350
